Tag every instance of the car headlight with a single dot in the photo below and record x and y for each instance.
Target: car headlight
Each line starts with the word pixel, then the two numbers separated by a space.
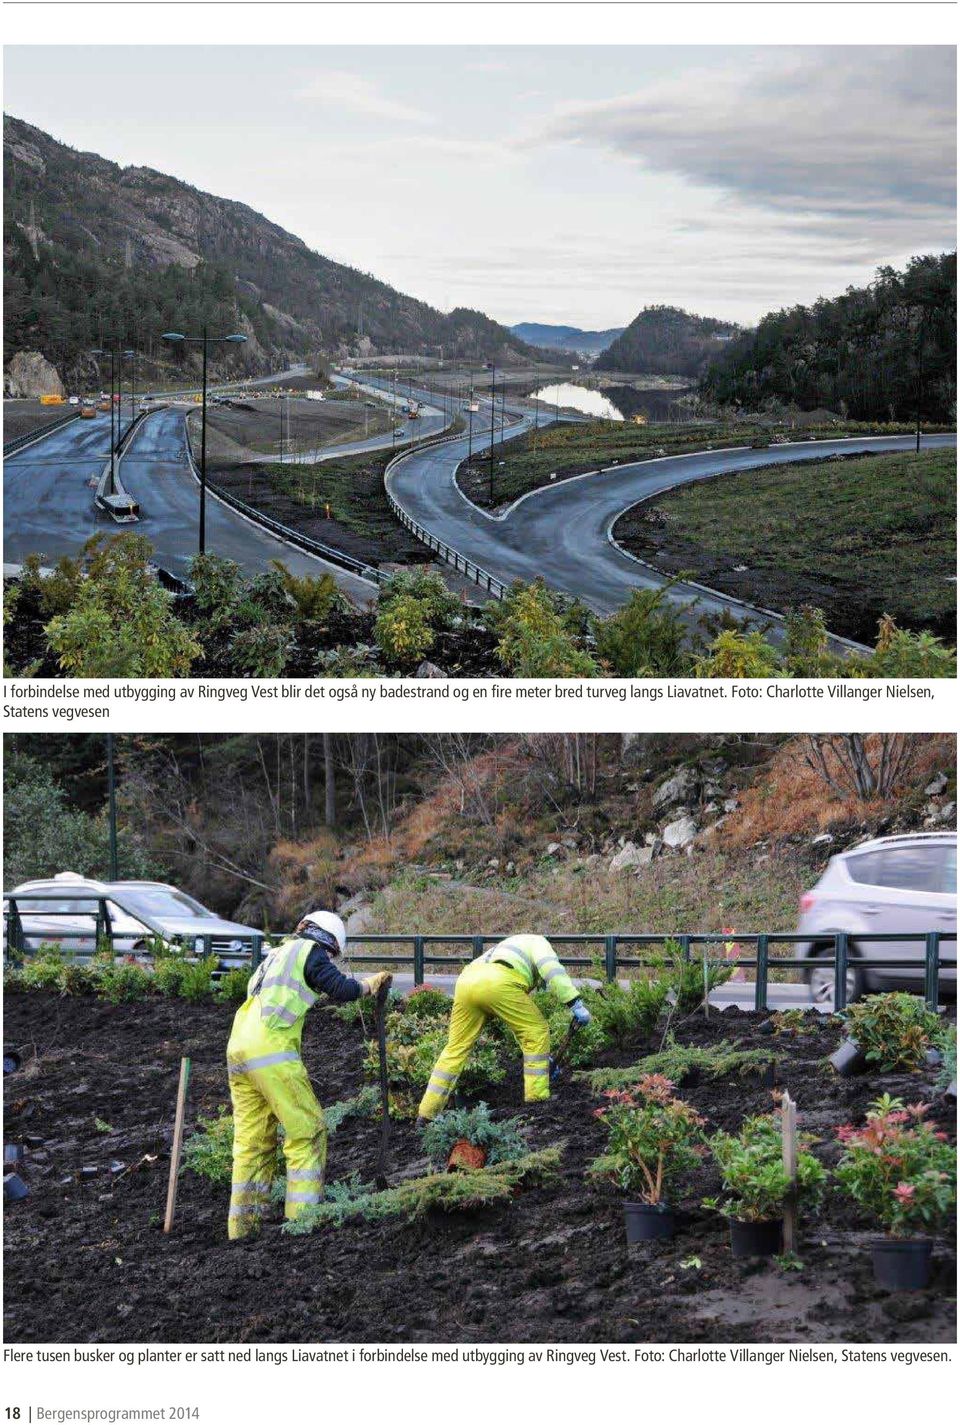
pixel 198 944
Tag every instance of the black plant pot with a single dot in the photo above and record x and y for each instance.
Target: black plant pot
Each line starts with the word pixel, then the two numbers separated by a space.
pixel 647 1222
pixel 849 1059
pixel 756 1239
pixel 14 1188
pixel 902 1265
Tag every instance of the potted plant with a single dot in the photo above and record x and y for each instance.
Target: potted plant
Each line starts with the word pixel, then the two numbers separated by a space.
pixel 469 1138
pixel 756 1184
pixel 902 1170
pixel 888 1032
pixel 653 1138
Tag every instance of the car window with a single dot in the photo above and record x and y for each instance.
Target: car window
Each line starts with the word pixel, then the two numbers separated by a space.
pixel 56 907
pixel 159 901
pixel 902 868
pixel 948 870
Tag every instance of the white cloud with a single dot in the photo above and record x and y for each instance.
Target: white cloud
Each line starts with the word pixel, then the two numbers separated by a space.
pixel 355 94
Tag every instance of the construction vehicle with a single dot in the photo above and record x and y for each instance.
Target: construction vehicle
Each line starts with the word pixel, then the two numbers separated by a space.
pixel 51 400
pixel 413 411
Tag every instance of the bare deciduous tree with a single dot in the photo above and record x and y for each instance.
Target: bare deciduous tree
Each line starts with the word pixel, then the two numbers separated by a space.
pixel 850 768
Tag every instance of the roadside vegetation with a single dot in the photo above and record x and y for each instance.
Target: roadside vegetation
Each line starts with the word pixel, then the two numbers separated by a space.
pixel 105 615
pixel 859 537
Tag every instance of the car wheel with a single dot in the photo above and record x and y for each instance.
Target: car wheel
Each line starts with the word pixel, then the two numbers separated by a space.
pixel 820 980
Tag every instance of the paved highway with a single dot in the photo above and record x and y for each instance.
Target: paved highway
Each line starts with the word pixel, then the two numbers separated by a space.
pixel 49 509
pixel 562 532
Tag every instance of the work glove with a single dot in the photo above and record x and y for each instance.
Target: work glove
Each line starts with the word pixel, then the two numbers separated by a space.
pixel 375 983
pixel 581 1015
pixel 556 1070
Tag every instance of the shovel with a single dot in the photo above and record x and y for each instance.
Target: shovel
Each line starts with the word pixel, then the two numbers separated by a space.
pixel 560 1055
pixel 383 1155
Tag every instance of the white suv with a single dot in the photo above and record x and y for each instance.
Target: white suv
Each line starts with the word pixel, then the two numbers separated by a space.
pixel 897 884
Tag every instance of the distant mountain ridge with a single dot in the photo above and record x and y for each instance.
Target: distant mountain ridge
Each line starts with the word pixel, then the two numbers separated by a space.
pixel 94 249
pixel 560 338
pixel 667 341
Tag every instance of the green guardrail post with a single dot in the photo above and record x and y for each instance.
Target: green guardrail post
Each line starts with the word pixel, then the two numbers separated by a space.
pixel 685 948
pixel 15 936
pixel 610 956
pixel 256 951
pixel 476 948
pixel 931 977
pixel 763 966
pixel 101 932
pixel 418 959
pixel 840 958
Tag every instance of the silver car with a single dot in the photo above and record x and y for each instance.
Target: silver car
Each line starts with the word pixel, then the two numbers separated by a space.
pixel 894 885
pixel 54 913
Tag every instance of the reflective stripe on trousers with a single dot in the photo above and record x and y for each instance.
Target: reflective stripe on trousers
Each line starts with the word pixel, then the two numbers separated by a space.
pixel 268 1090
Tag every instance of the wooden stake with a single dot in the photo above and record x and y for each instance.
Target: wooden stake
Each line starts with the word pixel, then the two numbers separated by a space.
pixel 788 1122
pixel 177 1147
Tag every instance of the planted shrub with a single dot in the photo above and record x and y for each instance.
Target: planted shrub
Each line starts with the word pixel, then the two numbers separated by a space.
pixel 363 1105
pixel 688 981
pixel 209 1152
pixel 899 1168
pixel 168 976
pixel 43 969
pixel 427 588
pixel 403 631
pixel 755 1182
pixel 653 1139
pixel 946 1041
pixel 894 1031
pixel 677 1061
pixel 628 1013
pixel 427 1003
pixel 499 1141
pixel 409 1064
pixel 585 1044
pixel 197 979
pixel 445 1192
pixel 231 987
pixel 123 983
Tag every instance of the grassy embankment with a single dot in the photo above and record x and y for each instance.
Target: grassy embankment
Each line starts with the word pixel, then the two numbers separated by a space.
pixel 859 538
pixel 541 457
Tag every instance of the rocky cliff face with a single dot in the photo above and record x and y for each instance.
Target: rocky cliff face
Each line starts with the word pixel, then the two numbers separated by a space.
pixel 132 226
pixel 29 374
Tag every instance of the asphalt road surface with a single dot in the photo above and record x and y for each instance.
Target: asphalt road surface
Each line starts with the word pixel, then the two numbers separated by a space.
pixel 561 532
pixel 49 509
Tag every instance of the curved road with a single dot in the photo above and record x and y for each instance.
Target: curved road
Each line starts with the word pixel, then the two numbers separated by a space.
pixel 562 532
pixel 49 510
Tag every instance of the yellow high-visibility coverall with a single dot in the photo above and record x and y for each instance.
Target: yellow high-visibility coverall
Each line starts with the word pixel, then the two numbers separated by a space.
pixel 499 983
pixel 269 1085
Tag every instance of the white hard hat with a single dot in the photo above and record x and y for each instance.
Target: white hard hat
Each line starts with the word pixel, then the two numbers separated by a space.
pixel 332 924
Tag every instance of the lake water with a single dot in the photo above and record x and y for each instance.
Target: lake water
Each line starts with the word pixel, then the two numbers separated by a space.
pixel 621 403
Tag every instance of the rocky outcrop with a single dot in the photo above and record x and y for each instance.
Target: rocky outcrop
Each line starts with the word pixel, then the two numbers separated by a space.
pixel 30 374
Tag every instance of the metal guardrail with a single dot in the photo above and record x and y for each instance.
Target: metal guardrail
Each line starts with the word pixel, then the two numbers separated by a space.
pixel 284 532
pixel 19 441
pixel 468 567
pixel 609 948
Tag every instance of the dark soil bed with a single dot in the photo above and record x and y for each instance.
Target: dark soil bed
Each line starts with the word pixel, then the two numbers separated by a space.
pixel 86 1258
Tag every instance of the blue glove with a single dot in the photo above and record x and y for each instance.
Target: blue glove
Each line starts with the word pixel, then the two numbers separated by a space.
pixel 581 1015
pixel 556 1071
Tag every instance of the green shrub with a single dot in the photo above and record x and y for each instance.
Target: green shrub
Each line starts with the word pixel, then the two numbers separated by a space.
pixel 677 1061
pixel 313 599
pixel 902 654
pixel 899 1168
pixel 755 1182
pixel 411 1055
pixel 584 1044
pixel 534 640
pixel 893 1030
pixel 77 978
pixel 628 1013
pixel 262 650
pixel 168 975
pixel 689 981
pixel 197 979
pixel 403 631
pixel 428 1003
pixel 426 587
pixel 365 1104
pixel 209 1152
pixel 644 639
pixel 806 651
pixel 444 1192
pixel 946 1041
pixel 501 1141
pixel 735 654
pixel 360 661
pixel 231 987
pixel 122 983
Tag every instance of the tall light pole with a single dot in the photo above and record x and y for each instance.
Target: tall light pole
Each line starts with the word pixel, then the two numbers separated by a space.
pixel 112 809
pixel 116 355
pixel 204 341
pixel 493 422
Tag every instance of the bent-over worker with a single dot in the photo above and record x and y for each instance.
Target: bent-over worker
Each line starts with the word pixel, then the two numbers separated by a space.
pixel 498 984
pixel 269 1083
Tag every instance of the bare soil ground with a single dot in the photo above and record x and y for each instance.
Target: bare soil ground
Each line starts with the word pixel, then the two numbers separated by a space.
pixel 24 417
pixel 86 1258
pixel 249 428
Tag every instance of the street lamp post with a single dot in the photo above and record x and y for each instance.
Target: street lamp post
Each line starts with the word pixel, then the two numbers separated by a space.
pixel 116 355
pixel 493 422
pixel 204 341
pixel 112 809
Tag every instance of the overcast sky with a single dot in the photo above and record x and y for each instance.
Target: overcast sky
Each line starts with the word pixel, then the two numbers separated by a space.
pixel 547 184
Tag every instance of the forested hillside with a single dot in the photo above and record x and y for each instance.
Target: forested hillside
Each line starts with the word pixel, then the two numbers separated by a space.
pixel 874 353
pixel 666 341
pixel 93 250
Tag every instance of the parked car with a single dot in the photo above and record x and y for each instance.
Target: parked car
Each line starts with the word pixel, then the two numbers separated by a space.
pixel 895 884
pixel 184 921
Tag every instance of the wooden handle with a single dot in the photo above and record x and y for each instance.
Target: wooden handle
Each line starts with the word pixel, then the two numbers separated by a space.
pixel 177 1147
pixel 788 1121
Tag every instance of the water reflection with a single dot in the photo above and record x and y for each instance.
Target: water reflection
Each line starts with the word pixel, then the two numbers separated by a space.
pixel 617 404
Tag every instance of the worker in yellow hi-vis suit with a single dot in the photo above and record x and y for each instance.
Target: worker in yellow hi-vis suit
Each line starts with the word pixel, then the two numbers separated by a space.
pixel 269 1084
pixel 498 984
